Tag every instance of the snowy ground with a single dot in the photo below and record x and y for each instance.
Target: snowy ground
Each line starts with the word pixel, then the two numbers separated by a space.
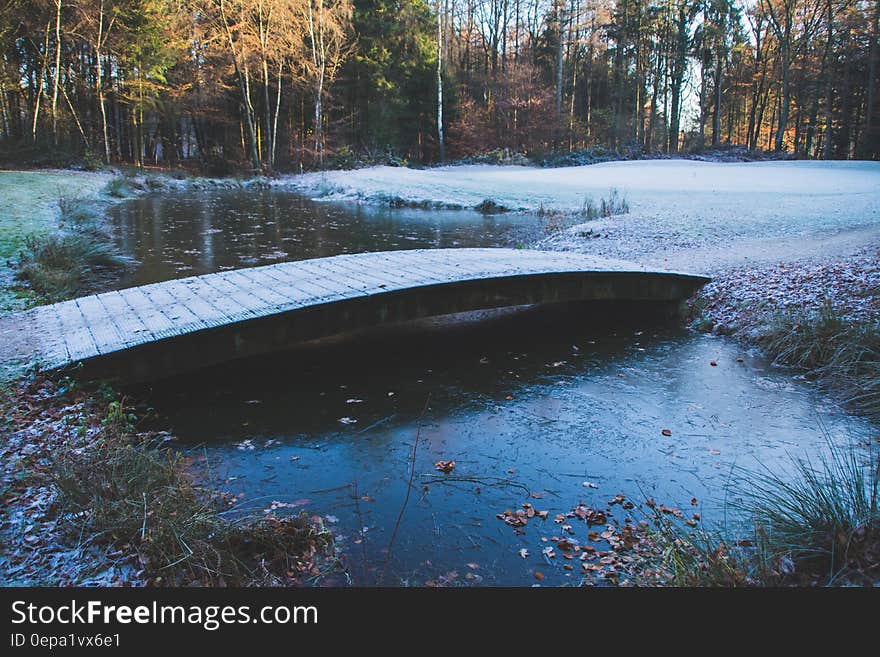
pixel 700 216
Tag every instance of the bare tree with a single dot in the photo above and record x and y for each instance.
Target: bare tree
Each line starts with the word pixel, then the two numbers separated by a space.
pixel 328 23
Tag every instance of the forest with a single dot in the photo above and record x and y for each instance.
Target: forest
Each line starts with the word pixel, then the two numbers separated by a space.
pixel 297 84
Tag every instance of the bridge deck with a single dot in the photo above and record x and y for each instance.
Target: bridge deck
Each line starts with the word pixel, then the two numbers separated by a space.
pixel 99 325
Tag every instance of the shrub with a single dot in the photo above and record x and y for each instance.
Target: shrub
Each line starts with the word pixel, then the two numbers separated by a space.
pixel 118 187
pixel 488 206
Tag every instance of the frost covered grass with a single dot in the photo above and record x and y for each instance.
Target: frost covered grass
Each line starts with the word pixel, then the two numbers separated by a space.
pixel 615 204
pixel 820 316
pixel 136 498
pixel 651 186
pixel 822 525
pixel 71 260
pixel 29 201
pixel 815 524
pixel 29 207
pixel 841 353
pixel 92 495
pixel 684 215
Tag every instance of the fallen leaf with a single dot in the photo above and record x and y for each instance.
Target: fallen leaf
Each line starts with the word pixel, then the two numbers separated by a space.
pixel 445 466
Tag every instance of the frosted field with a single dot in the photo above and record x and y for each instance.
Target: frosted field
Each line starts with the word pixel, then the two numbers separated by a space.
pixel 681 212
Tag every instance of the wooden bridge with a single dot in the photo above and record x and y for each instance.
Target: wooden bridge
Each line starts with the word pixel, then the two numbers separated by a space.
pixel 165 328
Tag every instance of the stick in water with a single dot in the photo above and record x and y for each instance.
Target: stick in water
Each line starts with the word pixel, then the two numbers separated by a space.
pixel 412 474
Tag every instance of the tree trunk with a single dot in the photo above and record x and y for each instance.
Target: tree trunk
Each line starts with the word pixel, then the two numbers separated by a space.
pixel 99 84
pixel 785 58
pixel 43 67
pixel 57 76
pixel 870 146
pixel 677 77
pixel 440 142
pixel 277 112
pixel 829 84
pixel 244 88
pixel 716 119
pixel 560 51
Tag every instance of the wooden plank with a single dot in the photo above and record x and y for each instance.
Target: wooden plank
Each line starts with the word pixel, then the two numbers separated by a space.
pixel 130 324
pixel 299 279
pixel 249 303
pixel 381 268
pixel 234 310
pixel 187 296
pixel 46 328
pixel 77 336
pixel 102 325
pixel 167 303
pixel 258 284
pixel 340 279
pixel 156 321
pixel 372 279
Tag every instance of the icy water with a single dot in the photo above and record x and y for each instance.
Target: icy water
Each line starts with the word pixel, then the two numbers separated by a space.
pixel 184 234
pixel 530 404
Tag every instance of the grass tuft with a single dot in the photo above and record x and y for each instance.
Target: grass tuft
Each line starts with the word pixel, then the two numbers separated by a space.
pixel 616 204
pixel 815 525
pixel 133 495
pixel 71 260
pixel 821 525
pixel 65 264
pixel 697 557
pixel 840 352
pixel 119 187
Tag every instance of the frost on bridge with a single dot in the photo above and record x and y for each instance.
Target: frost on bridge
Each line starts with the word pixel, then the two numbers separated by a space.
pixel 179 325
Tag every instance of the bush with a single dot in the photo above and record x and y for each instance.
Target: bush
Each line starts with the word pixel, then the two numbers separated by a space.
pixel 488 206
pixel 74 210
pixel 118 187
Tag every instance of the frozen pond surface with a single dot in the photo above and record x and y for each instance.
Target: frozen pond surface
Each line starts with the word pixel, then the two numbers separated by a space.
pixel 529 406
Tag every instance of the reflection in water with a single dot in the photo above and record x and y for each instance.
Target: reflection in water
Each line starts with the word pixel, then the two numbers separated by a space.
pixel 196 233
